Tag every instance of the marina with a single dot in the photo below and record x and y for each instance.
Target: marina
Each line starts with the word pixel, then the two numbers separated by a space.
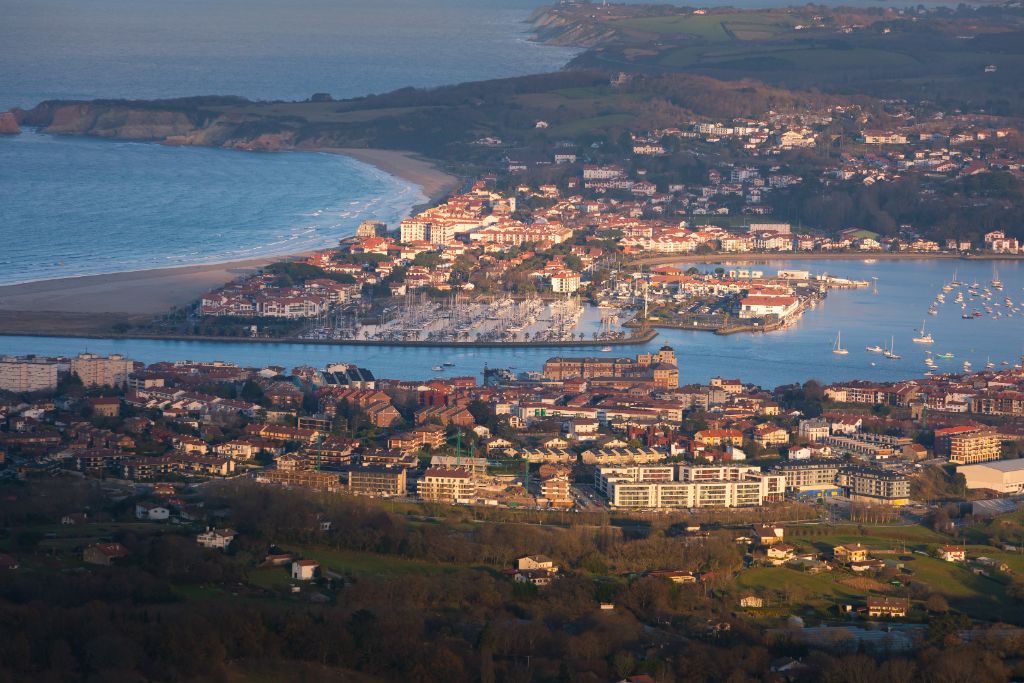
pixel 800 352
pixel 458 319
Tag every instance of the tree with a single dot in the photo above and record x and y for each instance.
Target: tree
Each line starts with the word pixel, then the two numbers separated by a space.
pixel 936 603
pixel 251 392
pixel 623 663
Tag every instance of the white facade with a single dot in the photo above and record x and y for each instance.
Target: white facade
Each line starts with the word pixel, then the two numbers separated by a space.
pixel 216 538
pixel 27 374
pixel 754 491
pixel 1004 476
pixel 565 283
pixel 98 371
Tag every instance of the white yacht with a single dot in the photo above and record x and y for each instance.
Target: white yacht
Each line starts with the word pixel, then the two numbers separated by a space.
pixel 838 348
pixel 923 337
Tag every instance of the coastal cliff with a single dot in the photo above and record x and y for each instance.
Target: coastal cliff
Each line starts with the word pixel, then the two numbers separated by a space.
pixel 232 123
pixel 9 124
pixel 186 121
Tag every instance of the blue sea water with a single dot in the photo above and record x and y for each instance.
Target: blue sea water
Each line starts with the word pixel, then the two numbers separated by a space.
pixel 802 352
pixel 260 49
pixel 73 206
pixel 76 206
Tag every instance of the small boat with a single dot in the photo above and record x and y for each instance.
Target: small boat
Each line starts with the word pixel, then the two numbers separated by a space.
pixel 989 364
pixel 606 349
pixel 996 283
pixel 933 311
pixel 448 364
pixel 874 349
pixel 945 356
pixel 838 348
pixel 437 368
pixel 890 352
pixel 923 337
pixel 967 366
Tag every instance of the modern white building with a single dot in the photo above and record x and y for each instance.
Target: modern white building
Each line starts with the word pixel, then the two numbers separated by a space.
pixel 1004 476
pixel 666 486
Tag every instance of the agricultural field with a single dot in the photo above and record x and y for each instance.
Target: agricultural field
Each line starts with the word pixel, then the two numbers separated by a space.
pixel 981 596
pixel 717 27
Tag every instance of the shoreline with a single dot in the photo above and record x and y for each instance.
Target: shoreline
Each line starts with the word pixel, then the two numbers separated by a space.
pixel 93 303
pixel 628 341
pixel 433 181
pixel 818 256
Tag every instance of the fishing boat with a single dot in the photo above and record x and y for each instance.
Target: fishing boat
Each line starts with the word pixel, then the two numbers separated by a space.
pixel 923 337
pixel 838 348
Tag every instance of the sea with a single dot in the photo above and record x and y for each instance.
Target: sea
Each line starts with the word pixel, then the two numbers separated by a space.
pixel 889 313
pixel 73 206
pixel 78 206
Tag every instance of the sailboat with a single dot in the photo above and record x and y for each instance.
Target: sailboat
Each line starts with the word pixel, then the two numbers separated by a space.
pixel 889 352
pixel 923 337
pixel 838 348
pixel 996 282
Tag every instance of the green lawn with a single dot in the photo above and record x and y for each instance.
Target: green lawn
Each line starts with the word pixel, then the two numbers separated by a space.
pixel 785 57
pixel 978 596
pixel 595 122
pixel 352 562
pixel 716 27
pixel 822 585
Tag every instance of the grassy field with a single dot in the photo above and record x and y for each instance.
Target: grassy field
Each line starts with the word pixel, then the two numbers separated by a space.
pixel 716 27
pixel 978 596
pixel 786 57
pixel 592 124
pixel 352 562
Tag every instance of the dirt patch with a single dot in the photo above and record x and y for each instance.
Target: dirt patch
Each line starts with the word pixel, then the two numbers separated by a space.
pixel 863 583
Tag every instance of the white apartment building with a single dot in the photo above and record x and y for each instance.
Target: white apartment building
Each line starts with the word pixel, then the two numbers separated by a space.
pixel 27 373
pixel 668 486
pixel 99 371
pixel 446 486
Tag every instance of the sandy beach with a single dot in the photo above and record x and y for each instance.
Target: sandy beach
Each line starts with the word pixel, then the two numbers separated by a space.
pixel 95 302
pixel 436 184
pixel 91 304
